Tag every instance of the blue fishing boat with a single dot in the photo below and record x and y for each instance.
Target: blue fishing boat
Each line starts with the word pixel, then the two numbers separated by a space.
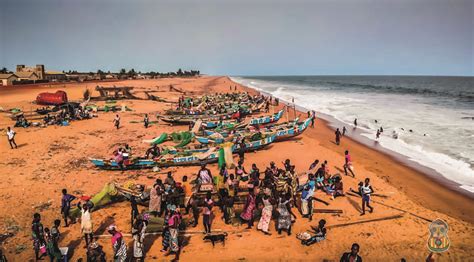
pixel 282 131
pixel 233 124
pixel 196 157
pixel 266 119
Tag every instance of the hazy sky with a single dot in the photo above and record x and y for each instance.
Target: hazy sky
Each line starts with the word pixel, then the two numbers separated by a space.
pixel 427 37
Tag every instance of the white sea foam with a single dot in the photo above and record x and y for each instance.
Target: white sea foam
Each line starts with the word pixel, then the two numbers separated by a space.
pixel 440 138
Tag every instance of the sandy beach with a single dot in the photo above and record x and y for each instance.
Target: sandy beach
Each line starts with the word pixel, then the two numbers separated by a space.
pixel 52 158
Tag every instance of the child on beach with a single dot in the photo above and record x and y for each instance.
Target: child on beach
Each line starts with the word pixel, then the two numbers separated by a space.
pixel 207 213
pixel 319 236
pixel 11 137
pixel 365 191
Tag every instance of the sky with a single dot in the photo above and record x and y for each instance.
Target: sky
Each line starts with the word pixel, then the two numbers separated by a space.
pixel 320 37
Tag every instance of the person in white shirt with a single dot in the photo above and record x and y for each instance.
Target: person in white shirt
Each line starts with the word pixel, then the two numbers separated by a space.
pixel 365 191
pixel 11 137
pixel 117 121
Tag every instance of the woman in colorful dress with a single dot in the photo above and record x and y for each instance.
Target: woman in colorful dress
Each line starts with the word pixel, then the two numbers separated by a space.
pixel 266 215
pixel 138 234
pixel 249 208
pixel 39 243
pixel 284 216
pixel 173 222
pixel 118 245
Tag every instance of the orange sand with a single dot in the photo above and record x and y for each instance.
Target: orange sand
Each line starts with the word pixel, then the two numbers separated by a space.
pixel 53 158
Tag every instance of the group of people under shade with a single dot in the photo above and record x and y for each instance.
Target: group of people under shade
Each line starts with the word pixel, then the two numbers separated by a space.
pixel 270 195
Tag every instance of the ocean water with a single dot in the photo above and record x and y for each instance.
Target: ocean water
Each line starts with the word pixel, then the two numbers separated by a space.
pixel 439 111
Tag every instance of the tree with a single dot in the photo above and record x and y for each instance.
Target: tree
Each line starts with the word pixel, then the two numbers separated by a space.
pixel 4 70
pixel 180 72
pixel 123 71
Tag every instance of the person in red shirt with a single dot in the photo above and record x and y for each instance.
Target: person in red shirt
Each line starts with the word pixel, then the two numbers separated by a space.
pixel 348 164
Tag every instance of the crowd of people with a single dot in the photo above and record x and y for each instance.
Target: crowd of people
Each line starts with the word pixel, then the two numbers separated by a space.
pixel 272 195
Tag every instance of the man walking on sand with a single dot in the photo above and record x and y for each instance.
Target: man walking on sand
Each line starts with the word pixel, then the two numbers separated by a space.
pixel 117 121
pixel 365 191
pixel 338 136
pixel 11 137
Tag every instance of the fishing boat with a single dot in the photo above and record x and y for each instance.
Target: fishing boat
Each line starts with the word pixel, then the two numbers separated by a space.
pixel 266 119
pixel 282 132
pixel 189 157
pixel 245 129
pixel 188 119
pixel 230 124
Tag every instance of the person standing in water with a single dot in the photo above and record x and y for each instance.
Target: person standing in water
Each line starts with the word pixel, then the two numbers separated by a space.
pixel 338 136
pixel 344 130
pixel 355 122
pixel 365 191
pixel 378 134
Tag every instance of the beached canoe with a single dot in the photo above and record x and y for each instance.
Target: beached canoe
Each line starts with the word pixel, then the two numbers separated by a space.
pixel 230 124
pixel 282 132
pixel 289 132
pixel 188 119
pixel 266 119
pixel 246 129
pixel 211 155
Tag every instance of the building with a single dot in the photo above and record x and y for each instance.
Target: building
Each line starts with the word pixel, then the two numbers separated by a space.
pixel 27 75
pixel 7 79
pixel 38 70
pixel 54 76
pixel 110 76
